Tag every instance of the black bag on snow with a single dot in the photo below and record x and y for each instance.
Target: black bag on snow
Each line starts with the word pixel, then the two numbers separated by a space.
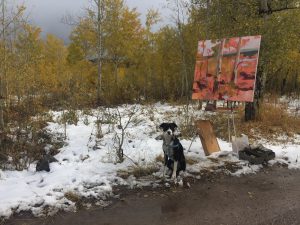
pixel 256 155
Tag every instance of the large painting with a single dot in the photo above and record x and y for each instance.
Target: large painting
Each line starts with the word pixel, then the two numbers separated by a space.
pixel 226 69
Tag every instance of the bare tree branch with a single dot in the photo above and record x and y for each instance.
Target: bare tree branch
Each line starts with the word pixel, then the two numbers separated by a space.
pixel 16 16
pixel 266 7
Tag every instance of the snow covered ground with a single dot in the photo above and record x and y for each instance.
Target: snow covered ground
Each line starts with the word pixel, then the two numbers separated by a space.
pixel 87 166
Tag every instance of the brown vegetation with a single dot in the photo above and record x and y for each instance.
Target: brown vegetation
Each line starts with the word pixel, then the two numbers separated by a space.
pixel 275 124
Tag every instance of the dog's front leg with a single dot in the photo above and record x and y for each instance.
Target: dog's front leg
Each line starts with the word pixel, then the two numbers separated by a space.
pixel 165 165
pixel 164 171
pixel 174 170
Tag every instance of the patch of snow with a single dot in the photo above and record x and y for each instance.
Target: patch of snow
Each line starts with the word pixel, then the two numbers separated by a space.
pixel 92 172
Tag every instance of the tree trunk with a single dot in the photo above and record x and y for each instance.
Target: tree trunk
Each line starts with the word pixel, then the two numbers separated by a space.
pixel 2 105
pixel 252 108
pixel 99 50
pixel 264 8
pixel 116 66
pixel 3 71
pixel 185 83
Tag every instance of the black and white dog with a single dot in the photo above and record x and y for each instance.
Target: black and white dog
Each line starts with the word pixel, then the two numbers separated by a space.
pixel 173 151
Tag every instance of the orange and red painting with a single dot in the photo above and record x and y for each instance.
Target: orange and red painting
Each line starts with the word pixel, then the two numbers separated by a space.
pixel 226 69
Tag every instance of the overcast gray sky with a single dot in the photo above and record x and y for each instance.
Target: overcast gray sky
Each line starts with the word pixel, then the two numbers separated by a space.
pixel 47 14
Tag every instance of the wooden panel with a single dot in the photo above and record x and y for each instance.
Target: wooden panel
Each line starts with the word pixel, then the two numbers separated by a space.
pixel 207 136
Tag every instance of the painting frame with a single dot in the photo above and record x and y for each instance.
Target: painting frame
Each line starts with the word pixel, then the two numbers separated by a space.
pixel 226 69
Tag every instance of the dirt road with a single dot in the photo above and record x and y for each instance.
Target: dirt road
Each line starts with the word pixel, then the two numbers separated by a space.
pixel 269 197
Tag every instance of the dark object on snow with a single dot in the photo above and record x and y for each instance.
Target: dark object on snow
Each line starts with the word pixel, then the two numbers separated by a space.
pixel 210 107
pixel 3 158
pixel 44 163
pixel 257 155
pixel 50 159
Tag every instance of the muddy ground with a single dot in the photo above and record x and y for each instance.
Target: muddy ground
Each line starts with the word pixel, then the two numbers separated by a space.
pixel 271 197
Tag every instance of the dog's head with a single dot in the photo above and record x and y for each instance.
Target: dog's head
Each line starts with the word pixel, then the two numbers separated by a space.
pixel 168 128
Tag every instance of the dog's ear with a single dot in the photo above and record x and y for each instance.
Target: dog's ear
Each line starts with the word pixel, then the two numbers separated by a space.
pixel 173 126
pixel 163 126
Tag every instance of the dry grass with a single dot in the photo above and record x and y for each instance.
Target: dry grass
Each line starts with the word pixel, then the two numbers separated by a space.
pixel 191 161
pixel 273 123
pixel 188 160
pixel 188 130
pixel 159 158
pixel 139 171
pixel 142 171
pixel 73 197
